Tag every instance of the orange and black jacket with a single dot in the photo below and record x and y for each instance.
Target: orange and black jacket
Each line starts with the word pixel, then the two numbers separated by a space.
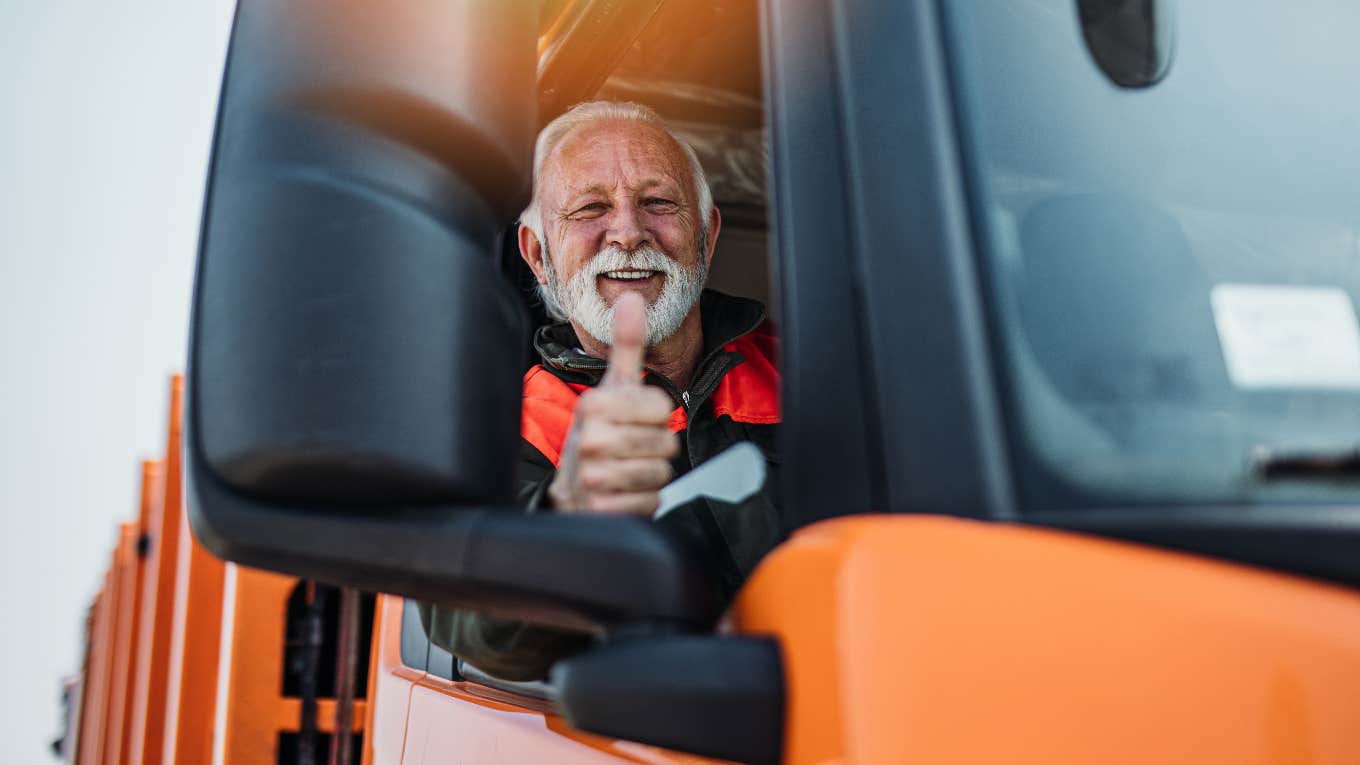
pixel 733 397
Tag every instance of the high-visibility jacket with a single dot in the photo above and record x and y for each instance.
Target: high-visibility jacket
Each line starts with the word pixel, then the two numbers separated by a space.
pixel 733 397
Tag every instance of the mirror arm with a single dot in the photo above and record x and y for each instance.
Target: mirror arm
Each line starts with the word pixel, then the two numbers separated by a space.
pixel 575 572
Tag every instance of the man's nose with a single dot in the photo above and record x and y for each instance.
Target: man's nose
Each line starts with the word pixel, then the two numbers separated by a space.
pixel 625 228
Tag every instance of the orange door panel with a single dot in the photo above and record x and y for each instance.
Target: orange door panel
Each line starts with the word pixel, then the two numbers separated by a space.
pixel 920 639
pixel 457 722
pixel 448 725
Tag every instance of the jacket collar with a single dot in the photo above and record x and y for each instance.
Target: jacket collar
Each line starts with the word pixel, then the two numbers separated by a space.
pixel 724 318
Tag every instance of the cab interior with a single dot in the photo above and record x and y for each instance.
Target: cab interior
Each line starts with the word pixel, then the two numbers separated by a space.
pixel 697 64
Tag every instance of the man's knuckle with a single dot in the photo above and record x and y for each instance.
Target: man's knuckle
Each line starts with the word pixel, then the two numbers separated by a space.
pixel 663 472
pixel 588 478
pixel 633 435
pixel 592 445
pixel 613 504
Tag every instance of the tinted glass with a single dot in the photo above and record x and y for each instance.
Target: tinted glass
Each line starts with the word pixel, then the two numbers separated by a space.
pixel 1173 269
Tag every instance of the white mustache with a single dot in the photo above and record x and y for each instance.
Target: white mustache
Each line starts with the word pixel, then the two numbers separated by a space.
pixel 580 300
pixel 644 258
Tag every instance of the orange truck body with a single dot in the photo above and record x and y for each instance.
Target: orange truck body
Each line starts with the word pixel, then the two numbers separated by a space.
pixel 904 637
pixel 974 663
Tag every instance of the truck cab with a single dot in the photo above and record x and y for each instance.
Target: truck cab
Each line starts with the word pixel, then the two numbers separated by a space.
pixel 1065 292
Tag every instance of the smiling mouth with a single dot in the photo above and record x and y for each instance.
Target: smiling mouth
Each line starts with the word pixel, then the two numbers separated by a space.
pixel 629 276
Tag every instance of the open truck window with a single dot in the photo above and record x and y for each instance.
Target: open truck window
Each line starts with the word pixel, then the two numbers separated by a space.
pixel 698 68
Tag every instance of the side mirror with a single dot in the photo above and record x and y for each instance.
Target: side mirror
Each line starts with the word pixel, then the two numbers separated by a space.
pixel 355 360
pixel 345 275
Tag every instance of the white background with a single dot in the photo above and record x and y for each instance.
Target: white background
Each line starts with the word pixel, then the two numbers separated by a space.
pixel 106 116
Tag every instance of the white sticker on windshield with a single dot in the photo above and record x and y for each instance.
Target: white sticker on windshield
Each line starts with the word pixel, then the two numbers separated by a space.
pixel 1287 337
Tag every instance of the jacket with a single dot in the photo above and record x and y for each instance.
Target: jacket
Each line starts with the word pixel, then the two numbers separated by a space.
pixel 733 397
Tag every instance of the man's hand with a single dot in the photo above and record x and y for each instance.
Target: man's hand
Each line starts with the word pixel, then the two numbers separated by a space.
pixel 617 455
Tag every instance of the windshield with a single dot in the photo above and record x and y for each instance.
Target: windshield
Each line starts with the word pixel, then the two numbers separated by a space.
pixel 1174 268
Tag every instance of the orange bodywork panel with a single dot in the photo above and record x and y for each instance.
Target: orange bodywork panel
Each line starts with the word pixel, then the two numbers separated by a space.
pixel 924 639
pixel 421 719
pixel 254 711
pixel 103 723
pixel 133 658
pixel 904 639
pixel 195 643
pixel 94 693
pixel 125 627
pixel 161 520
pixel 153 503
pixel 160 684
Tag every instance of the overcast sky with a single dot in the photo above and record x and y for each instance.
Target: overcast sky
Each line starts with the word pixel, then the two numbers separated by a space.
pixel 108 111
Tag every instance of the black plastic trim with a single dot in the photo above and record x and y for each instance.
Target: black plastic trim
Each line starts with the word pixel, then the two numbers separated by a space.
pixel 571 571
pixel 716 696
pixel 534 689
pixel 415 644
pixel 886 346
pixel 943 436
pixel 443 664
pixel 824 383
pixel 1314 541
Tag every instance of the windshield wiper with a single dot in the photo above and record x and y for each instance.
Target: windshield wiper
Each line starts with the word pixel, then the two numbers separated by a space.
pixel 1341 464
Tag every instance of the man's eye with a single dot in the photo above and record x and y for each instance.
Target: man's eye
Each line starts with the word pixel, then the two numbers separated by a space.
pixel 658 202
pixel 593 207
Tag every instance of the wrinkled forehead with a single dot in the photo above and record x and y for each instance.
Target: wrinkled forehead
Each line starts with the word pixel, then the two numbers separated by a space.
pixel 617 154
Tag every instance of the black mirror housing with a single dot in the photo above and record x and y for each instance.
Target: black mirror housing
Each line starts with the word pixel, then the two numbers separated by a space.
pixel 353 342
pixel 349 348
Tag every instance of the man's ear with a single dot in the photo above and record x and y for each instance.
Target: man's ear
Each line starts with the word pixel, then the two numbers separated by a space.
pixel 714 225
pixel 532 251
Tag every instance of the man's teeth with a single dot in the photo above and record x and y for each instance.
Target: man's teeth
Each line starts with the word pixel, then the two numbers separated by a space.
pixel 628 274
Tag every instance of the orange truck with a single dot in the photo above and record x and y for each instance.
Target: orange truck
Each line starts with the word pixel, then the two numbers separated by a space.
pixel 1070 391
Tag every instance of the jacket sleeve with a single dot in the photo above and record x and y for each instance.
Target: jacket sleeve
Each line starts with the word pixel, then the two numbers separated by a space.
pixel 505 648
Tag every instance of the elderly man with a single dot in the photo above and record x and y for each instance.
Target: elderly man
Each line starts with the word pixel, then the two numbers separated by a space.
pixel 645 375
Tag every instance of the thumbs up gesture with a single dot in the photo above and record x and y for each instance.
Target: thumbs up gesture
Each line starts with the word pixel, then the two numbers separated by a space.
pixel 617 455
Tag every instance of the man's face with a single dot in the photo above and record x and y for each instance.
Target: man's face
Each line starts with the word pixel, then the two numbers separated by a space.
pixel 620 213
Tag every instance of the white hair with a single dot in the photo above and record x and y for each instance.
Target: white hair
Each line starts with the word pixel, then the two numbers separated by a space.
pixel 598 111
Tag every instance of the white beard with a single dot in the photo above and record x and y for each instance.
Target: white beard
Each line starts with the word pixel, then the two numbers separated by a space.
pixel 579 300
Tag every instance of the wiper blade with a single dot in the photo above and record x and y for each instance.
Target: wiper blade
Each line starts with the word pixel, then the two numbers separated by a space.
pixel 1272 466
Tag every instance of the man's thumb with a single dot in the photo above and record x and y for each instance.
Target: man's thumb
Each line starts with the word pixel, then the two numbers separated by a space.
pixel 630 329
